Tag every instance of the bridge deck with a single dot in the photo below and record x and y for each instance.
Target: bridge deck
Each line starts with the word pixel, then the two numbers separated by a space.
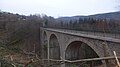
pixel 96 35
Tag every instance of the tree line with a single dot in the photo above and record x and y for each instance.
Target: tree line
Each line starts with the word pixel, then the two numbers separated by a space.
pixel 88 24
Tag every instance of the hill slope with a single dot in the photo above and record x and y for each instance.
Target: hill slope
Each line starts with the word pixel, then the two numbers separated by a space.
pixel 111 15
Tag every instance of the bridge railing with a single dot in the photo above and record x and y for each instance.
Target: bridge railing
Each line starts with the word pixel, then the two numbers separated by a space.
pixel 102 34
pixel 112 35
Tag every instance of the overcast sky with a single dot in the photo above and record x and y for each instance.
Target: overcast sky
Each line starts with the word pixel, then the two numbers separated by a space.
pixel 58 8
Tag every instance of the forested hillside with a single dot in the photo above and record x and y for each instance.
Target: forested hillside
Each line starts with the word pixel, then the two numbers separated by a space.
pixel 19 36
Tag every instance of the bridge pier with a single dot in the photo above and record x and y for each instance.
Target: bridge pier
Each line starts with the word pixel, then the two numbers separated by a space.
pixel 62 65
pixel 48 57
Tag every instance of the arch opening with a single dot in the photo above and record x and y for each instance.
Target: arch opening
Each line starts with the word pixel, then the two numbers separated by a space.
pixel 54 48
pixel 78 50
pixel 45 44
pixel 54 51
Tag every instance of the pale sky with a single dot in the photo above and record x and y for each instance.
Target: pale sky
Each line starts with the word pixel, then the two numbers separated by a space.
pixel 58 8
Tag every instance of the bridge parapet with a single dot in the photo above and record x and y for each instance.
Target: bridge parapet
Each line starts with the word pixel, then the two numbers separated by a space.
pixel 94 35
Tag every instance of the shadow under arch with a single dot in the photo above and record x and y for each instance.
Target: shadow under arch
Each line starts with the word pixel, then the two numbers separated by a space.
pixel 54 47
pixel 54 50
pixel 77 50
pixel 45 44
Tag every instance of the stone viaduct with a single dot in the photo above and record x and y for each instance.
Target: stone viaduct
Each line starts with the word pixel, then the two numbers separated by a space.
pixel 72 45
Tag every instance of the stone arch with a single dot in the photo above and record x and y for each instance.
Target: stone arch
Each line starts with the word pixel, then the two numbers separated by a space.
pixel 89 43
pixel 45 44
pixel 54 47
pixel 77 50
pixel 44 35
